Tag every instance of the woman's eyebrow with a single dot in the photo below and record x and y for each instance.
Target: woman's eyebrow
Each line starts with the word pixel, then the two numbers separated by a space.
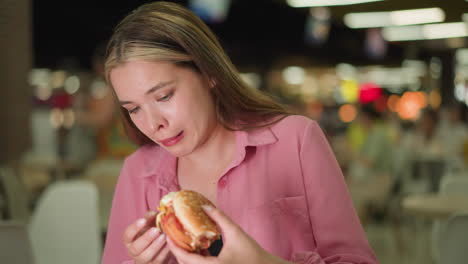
pixel 158 86
pixel 151 90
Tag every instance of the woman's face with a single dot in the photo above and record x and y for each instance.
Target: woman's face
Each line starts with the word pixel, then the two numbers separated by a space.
pixel 170 104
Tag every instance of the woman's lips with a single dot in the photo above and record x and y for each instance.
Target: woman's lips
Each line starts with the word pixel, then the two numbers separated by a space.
pixel 173 140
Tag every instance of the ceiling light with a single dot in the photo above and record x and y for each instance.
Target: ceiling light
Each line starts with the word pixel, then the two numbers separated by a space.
pixel 445 30
pixel 431 31
pixel 403 33
pixel 309 3
pixel 417 16
pixel 394 18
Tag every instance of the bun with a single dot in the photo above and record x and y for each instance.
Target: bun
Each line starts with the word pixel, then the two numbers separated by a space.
pixel 183 219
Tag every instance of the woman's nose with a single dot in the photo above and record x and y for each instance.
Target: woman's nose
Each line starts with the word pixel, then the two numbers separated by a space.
pixel 156 121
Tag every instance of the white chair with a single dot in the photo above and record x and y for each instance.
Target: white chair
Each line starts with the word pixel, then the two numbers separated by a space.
pixel 15 246
pixel 448 185
pixel 64 227
pixel 452 240
pixel 16 195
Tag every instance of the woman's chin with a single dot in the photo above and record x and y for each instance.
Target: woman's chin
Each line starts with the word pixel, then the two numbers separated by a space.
pixel 179 152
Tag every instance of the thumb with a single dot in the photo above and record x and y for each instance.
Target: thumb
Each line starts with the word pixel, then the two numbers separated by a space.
pixel 227 226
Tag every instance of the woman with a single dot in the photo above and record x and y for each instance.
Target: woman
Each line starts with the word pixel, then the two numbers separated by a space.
pixel 201 128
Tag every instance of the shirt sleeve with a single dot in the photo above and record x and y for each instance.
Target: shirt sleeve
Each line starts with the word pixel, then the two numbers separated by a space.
pixel 338 233
pixel 127 206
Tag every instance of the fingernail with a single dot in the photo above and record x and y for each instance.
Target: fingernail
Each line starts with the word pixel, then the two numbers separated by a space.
pixel 141 222
pixel 153 231
pixel 162 237
pixel 150 213
pixel 207 207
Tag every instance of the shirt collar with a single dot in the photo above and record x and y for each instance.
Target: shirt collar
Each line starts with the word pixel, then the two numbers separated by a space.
pixel 255 138
pixel 159 162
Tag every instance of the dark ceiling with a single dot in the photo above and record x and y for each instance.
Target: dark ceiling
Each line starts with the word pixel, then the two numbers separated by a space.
pixel 256 32
pixel 453 9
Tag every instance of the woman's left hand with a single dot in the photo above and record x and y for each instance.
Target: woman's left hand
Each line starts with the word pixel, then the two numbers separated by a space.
pixel 238 247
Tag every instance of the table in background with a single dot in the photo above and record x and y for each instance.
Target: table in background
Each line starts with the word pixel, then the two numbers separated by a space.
pixel 435 205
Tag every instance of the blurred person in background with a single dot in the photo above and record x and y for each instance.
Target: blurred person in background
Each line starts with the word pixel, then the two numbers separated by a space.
pixel 418 167
pixel 454 135
pixel 370 174
pixel 98 112
pixel 200 127
pixel 421 154
pixel 98 106
pixel 425 141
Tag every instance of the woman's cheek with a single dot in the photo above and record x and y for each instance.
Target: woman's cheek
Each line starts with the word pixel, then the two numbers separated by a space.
pixel 139 123
pixel 173 112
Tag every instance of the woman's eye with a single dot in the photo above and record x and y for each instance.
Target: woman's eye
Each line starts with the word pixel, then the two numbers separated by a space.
pixel 133 110
pixel 166 97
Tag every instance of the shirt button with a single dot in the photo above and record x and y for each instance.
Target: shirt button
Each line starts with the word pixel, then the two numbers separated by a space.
pixel 222 183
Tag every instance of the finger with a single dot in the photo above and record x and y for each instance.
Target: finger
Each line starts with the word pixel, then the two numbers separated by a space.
pixel 186 257
pixel 152 250
pixel 224 222
pixel 141 243
pixel 150 218
pixel 163 255
pixel 130 234
pixel 150 215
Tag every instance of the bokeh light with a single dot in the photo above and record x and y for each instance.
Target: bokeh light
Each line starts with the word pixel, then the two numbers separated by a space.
pixel 349 90
pixel 347 113
pixel 392 102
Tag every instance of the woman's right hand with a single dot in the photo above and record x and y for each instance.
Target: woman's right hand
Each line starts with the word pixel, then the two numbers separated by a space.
pixel 145 243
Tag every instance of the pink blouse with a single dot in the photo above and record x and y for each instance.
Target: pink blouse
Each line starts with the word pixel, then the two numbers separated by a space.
pixel 284 188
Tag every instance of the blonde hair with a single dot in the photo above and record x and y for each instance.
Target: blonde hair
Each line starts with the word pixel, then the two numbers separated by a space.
pixel 163 31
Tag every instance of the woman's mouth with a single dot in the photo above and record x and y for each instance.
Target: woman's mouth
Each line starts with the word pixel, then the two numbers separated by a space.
pixel 173 140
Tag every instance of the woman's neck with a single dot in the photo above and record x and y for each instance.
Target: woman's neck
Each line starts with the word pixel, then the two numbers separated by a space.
pixel 219 146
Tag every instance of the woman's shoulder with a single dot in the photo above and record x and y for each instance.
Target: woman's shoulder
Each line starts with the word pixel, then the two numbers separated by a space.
pixel 292 124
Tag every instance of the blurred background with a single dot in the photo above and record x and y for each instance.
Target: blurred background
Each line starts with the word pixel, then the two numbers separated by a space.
pixel 386 79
